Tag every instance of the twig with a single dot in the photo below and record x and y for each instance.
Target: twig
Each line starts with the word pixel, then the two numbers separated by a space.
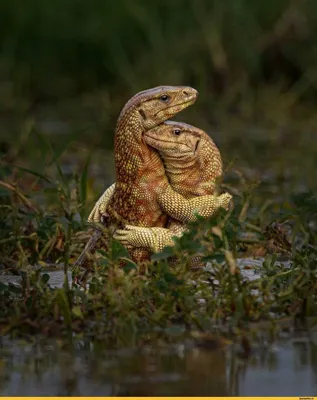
pixel 250 241
pixel 33 236
pixel 89 246
pixel 19 194
pixel 253 227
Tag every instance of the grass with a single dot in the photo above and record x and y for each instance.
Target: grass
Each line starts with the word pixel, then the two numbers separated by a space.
pixel 122 307
pixel 61 91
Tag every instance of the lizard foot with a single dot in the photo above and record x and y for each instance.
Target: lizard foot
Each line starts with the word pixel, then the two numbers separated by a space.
pixel 224 200
pixel 135 236
pixel 127 236
pixel 95 214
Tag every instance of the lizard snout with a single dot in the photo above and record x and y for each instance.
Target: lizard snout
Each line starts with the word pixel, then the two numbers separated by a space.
pixel 190 93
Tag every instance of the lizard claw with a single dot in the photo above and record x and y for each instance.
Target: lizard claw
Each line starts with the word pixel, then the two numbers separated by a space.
pixel 98 212
pixel 133 228
pixel 98 215
pixel 123 236
pixel 224 200
pixel 132 236
pixel 95 214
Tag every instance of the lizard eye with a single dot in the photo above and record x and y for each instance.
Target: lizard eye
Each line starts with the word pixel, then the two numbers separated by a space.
pixel 164 98
pixel 177 132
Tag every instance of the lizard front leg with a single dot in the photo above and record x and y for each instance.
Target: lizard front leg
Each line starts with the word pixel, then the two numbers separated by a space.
pixel 153 239
pixel 181 209
pixel 175 205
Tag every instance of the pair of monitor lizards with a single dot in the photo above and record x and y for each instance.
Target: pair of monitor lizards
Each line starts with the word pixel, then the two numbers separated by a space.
pixel 165 174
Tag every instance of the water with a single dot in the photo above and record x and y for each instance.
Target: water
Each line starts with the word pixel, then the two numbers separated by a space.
pixel 287 367
pixel 56 278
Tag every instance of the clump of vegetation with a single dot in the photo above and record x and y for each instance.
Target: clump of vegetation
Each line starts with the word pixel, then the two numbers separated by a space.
pixel 119 305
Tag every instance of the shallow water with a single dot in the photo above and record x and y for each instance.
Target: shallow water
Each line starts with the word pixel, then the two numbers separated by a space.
pixel 56 278
pixel 287 367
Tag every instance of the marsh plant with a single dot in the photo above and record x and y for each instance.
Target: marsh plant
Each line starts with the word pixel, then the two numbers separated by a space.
pixel 118 304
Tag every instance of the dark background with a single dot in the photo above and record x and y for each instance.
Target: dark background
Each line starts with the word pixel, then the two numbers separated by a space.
pixel 67 67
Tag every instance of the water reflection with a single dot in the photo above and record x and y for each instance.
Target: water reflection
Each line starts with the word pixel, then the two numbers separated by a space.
pixel 286 368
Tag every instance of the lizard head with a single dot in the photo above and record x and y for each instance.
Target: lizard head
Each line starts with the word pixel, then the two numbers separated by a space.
pixel 175 140
pixel 156 105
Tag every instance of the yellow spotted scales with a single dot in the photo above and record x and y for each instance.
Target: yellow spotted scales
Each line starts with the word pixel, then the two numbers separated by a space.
pixel 142 195
pixel 193 165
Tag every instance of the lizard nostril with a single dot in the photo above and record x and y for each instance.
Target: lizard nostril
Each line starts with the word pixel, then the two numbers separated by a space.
pixel 190 92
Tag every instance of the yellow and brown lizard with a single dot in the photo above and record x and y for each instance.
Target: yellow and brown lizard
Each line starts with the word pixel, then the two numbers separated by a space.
pixel 142 194
pixel 192 164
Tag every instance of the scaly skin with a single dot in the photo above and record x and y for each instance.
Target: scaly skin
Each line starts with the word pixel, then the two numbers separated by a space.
pixel 135 161
pixel 142 194
pixel 192 164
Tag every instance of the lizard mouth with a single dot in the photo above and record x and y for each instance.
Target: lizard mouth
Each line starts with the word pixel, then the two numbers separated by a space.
pixel 165 141
pixel 184 104
pixel 196 146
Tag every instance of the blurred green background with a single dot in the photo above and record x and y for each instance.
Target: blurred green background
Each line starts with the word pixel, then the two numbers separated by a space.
pixel 67 67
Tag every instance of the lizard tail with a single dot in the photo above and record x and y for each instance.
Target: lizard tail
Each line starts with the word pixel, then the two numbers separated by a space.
pixel 89 246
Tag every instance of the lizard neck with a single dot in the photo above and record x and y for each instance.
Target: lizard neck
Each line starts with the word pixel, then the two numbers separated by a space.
pixel 195 174
pixel 129 130
pixel 183 174
pixel 129 146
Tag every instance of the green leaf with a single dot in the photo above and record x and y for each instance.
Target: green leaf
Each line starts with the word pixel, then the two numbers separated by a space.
pixel 58 153
pixel 187 243
pixel 14 289
pixel 60 173
pixel 83 181
pixel 103 253
pixel 171 278
pixel 62 301
pixel 218 257
pixel 77 312
pixel 33 173
pixel 165 253
pixel 43 143
pixel 104 262
pixel 45 278
pixel 129 265
pixel 3 287
pixel 118 251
